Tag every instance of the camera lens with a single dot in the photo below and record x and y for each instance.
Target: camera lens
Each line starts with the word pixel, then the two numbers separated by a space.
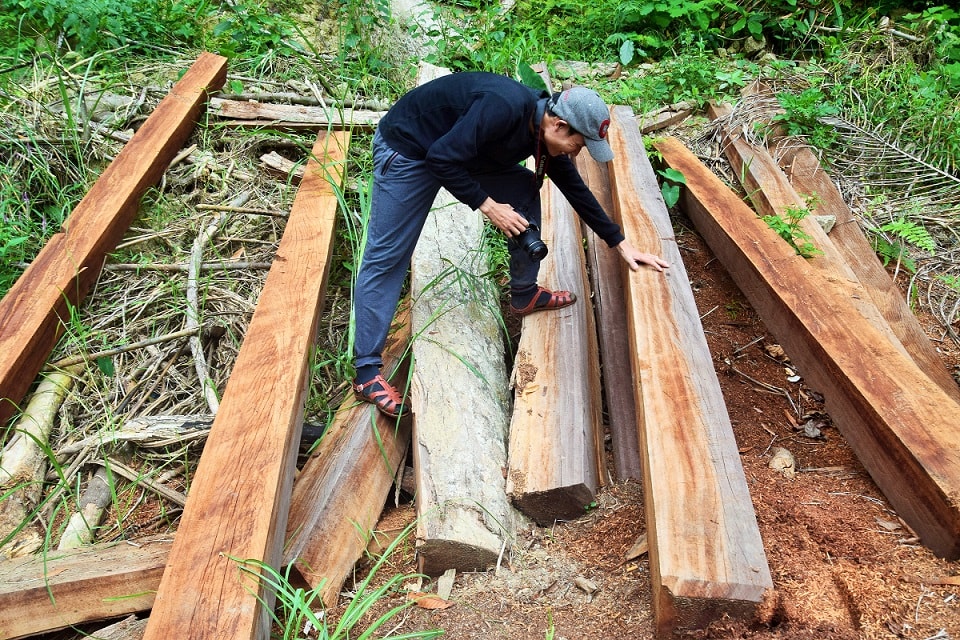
pixel 532 244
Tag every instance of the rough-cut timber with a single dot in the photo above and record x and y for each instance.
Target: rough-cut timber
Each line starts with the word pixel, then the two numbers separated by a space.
pixel 556 430
pixel 808 177
pixel 771 194
pixel 42 593
pixel 239 499
pixel 606 270
pixel 32 313
pixel 339 494
pixel 269 114
pixel 459 393
pixel 901 425
pixel 706 555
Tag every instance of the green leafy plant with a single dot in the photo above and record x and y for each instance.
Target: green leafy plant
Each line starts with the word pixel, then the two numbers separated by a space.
pixel 905 233
pixel 804 115
pixel 299 608
pixel 670 188
pixel 788 227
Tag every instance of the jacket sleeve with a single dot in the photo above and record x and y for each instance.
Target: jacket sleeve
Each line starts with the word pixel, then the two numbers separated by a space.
pixel 563 172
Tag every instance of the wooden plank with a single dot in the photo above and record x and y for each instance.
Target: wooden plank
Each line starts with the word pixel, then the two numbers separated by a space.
pixel 329 527
pixel 459 393
pixel 34 310
pixel 556 430
pixel 238 501
pixel 706 555
pixel 42 593
pixel 900 424
pixel 771 194
pixel 294 114
pixel 807 176
pixel 606 270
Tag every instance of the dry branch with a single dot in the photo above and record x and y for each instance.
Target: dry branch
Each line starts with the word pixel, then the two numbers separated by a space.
pixel 23 465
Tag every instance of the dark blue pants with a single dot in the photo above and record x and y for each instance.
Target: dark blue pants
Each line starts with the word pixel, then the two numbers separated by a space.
pixel 403 193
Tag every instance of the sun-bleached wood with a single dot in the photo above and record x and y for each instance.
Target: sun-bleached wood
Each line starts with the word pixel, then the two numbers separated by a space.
pixel 706 555
pixel 900 424
pixel 239 498
pixel 35 309
pixel 339 494
pixel 247 114
pixel 556 431
pixel 46 592
pixel 459 393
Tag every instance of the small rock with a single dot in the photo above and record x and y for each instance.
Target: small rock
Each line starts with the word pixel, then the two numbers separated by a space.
pixel 783 462
pixel 587 586
pixel 826 222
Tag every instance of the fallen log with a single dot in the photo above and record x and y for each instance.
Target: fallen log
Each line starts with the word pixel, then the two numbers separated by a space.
pixel 706 555
pixel 33 311
pixel 23 465
pixel 900 424
pixel 238 502
pixel 339 494
pixel 269 113
pixel 556 431
pixel 609 306
pixel 805 173
pixel 42 593
pixel 459 393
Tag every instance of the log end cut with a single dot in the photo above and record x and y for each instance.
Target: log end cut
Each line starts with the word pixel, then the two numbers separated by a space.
pixel 746 603
pixel 561 503
pixel 437 555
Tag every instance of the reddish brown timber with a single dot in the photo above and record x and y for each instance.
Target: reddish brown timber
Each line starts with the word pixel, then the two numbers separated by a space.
pixel 239 499
pixel 34 310
pixel 900 424
pixel 339 494
pixel 771 194
pixel 556 430
pixel 41 593
pixel 706 555
pixel 607 277
pixel 807 176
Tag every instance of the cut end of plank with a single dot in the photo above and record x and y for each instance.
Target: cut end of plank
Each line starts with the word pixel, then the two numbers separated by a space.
pixel 562 503
pixel 438 556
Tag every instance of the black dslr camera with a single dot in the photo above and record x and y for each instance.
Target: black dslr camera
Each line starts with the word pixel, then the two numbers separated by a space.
pixel 529 240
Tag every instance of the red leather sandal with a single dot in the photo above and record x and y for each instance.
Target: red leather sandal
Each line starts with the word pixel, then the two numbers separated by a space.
pixel 539 302
pixel 385 397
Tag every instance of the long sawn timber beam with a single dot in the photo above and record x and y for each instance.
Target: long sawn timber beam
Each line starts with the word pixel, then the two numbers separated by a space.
pixel 35 310
pixel 706 555
pixel 901 425
pixel 237 507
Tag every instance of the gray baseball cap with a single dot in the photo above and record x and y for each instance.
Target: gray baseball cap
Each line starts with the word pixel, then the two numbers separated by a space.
pixel 585 111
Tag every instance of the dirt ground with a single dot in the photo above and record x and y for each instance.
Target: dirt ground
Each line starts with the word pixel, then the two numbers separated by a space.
pixel 843 564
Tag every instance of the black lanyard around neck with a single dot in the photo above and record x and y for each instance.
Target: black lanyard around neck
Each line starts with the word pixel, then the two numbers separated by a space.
pixel 542 155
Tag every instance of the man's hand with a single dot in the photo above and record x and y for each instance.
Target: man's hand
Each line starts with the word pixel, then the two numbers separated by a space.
pixel 504 217
pixel 636 258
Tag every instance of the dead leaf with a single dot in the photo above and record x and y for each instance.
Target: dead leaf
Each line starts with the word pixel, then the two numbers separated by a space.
pixel 639 548
pixel 428 600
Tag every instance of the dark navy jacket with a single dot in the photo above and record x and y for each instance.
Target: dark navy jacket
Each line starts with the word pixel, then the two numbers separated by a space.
pixel 474 123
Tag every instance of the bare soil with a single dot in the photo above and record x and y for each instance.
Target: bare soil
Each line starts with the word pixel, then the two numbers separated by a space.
pixel 844 565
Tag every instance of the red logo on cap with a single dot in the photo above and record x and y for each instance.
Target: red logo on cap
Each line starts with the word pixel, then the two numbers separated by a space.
pixel 603 128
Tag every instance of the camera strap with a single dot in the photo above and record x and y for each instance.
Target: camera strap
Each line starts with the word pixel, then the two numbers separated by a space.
pixel 542 156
